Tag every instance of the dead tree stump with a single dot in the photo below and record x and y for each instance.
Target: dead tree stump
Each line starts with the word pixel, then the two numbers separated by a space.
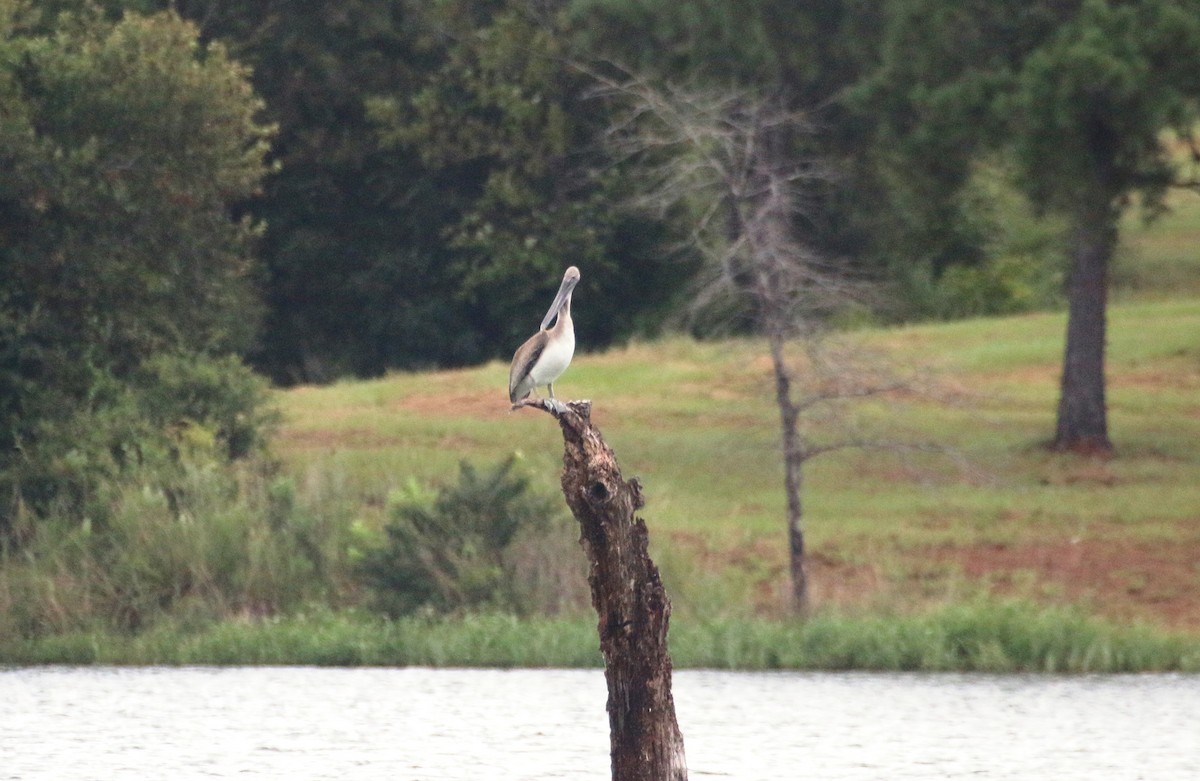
pixel 630 602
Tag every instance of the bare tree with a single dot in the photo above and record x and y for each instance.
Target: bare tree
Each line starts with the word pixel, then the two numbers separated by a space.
pixel 731 161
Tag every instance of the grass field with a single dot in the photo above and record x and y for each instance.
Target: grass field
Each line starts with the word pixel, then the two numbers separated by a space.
pixel 896 532
pixel 1160 260
pixel 888 531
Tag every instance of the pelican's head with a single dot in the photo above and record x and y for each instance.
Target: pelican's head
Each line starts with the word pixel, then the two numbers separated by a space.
pixel 570 279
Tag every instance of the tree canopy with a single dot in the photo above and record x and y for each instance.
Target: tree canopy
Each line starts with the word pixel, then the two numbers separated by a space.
pixel 123 144
pixel 438 169
pixel 1082 99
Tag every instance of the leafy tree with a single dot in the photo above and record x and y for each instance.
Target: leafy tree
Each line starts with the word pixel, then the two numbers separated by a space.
pixel 505 118
pixel 124 144
pixel 1078 97
pixel 502 125
pixel 356 276
pixel 436 176
pixel 807 51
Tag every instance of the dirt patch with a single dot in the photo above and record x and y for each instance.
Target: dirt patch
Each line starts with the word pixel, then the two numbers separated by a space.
pixel 1023 376
pixel 1094 470
pixel 489 404
pixel 761 564
pixel 1172 379
pixel 833 580
pixel 1119 579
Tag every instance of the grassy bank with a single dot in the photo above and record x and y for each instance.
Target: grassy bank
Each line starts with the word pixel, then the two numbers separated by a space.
pixel 993 637
pixel 892 533
pixel 1003 557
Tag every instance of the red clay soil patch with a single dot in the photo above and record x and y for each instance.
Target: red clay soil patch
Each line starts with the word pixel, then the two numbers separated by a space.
pixel 1119 579
pixel 1151 380
pixel 1154 582
pixel 831 579
pixel 835 581
pixel 491 404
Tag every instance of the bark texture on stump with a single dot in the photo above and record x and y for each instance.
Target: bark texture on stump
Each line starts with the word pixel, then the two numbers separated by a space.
pixel 630 602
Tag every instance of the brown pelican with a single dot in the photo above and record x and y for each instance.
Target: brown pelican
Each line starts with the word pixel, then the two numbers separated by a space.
pixel 546 354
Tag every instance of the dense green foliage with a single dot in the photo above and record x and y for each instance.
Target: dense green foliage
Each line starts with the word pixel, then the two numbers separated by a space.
pixel 800 57
pixel 459 550
pixel 194 543
pixel 126 286
pixel 439 166
pixel 440 162
pixel 1079 98
pixel 356 277
pixel 1077 94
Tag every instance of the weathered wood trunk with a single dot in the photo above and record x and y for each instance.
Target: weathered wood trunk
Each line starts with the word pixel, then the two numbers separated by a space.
pixel 629 598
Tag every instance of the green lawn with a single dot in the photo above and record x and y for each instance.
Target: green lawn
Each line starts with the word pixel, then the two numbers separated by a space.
pixel 887 529
pixel 1161 259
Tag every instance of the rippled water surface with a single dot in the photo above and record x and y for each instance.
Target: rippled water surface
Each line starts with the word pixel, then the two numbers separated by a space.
pixel 306 723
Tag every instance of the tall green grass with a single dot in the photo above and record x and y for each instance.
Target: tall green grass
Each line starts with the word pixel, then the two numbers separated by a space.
pixel 980 636
pixel 329 639
pixel 215 541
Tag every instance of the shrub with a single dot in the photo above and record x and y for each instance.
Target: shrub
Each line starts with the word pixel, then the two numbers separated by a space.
pixel 124 270
pixel 1002 285
pixel 180 391
pixel 205 542
pixel 140 430
pixel 1021 267
pixel 468 547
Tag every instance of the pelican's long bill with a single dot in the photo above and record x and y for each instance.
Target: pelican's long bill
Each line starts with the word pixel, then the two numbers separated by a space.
pixel 564 293
pixel 545 356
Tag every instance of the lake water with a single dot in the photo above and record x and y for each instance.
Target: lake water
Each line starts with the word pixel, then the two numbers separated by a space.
pixel 112 724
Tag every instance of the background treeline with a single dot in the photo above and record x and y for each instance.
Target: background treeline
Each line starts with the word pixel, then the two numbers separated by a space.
pixel 436 164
